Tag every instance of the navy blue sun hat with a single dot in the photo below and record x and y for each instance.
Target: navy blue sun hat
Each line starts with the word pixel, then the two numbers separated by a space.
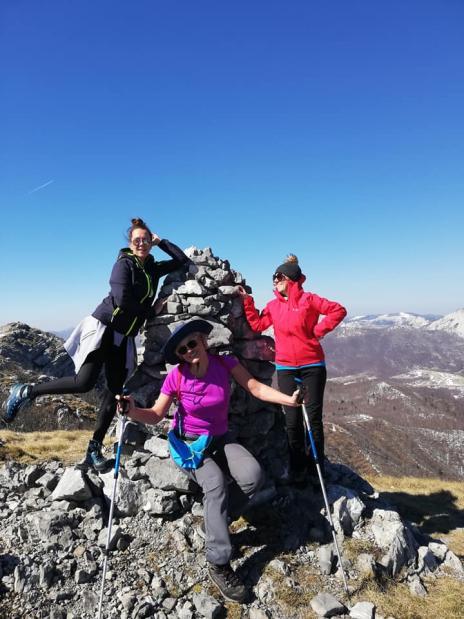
pixel 181 332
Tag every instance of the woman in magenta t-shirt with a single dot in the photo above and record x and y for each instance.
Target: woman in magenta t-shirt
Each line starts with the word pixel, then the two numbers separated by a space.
pixel 204 402
pixel 201 386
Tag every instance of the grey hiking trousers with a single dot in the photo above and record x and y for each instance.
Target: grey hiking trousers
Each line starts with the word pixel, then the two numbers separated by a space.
pixel 229 477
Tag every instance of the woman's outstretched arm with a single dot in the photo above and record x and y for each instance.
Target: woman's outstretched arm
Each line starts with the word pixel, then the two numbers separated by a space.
pixel 258 321
pixel 151 415
pixel 262 391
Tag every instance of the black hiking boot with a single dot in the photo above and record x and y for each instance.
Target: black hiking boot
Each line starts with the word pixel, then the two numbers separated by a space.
pixel 228 583
pixel 95 459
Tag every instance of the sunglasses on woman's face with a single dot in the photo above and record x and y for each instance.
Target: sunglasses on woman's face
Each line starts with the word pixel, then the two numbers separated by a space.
pixel 191 345
pixel 279 277
pixel 142 241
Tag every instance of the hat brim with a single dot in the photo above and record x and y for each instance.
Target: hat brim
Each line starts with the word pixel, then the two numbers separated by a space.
pixel 193 326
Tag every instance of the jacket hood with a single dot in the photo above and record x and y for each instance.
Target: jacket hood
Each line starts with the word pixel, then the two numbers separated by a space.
pixel 126 253
pixel 294 292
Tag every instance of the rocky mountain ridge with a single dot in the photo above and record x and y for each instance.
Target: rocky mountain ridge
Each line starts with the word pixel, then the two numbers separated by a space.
pixel 395 399
pixel 30 355
pixel 388 352
pixel 32 350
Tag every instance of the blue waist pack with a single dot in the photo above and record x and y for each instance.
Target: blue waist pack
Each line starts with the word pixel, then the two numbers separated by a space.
pixel 186 454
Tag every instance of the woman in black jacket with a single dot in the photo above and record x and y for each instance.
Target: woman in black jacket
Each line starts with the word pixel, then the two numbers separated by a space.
pixel 106 338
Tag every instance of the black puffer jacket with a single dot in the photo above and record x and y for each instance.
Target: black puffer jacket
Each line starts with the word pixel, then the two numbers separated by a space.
pixel 133 288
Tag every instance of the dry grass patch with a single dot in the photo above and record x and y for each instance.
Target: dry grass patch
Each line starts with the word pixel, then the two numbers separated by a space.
pixel 34 447
pixel 293 593
pixel 234 610
pixel 238 524
pixel 455 541
pixel 445 600
pixel 352 548
pixel 296 599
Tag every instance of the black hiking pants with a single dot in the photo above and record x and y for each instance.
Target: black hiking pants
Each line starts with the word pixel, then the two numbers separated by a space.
pixel 314 379
pixel 113 359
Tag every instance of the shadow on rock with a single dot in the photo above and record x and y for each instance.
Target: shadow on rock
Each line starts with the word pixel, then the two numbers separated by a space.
pixel 274 530
pixel 436 512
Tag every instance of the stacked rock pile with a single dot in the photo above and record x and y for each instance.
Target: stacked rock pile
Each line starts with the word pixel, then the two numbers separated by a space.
pixel 209 291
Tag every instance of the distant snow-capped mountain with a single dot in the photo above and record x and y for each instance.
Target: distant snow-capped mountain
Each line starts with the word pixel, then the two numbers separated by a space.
pixel 452 323
pixel 398 319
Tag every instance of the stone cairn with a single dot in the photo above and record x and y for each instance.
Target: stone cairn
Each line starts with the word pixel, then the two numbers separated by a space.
pixel 209 291
pixel 53 518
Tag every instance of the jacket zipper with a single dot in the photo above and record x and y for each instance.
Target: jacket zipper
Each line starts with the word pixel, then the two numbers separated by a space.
pixel 149 289
pixel 132 325
pixel 148 293
pixel 147 277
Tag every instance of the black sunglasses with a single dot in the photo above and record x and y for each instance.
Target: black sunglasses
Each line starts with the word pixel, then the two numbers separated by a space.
pixel 278 277
pixel 191 344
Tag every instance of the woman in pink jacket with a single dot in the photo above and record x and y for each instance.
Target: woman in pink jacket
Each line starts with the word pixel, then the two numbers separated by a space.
pixel 295 314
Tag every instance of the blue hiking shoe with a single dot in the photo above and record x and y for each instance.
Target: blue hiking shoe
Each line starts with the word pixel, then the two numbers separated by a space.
pixel 19 396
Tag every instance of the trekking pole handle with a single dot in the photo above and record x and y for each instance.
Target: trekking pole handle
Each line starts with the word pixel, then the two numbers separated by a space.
pixel 123 404
pixel 301 391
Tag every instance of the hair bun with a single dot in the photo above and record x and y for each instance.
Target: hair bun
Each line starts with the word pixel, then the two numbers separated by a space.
pixel 291 258
pixel 136 221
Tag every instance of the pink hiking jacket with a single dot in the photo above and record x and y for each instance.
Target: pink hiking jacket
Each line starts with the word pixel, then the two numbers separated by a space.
pixel 295 319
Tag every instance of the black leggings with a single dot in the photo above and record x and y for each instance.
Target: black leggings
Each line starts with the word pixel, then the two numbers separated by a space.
pixel 113 358
pixel 314 379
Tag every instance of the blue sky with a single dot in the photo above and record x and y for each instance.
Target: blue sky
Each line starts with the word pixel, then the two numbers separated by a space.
pixel 334 130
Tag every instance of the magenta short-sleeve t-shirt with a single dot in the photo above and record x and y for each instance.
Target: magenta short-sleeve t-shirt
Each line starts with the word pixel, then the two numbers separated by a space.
pixel 204 402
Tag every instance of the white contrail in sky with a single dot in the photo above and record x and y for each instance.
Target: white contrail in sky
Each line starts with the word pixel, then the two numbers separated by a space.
pixel 42 186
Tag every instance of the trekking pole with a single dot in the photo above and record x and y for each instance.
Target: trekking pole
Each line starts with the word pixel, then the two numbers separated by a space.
pixel 123 407
pixel 321 480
